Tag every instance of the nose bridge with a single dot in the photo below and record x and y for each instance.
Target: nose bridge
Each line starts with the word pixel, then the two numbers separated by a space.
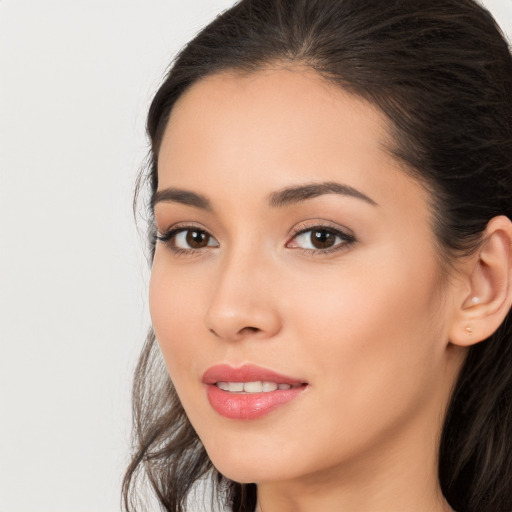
pixel 241 302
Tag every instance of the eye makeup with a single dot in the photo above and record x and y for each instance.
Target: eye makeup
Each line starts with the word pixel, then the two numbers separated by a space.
pixel 312 239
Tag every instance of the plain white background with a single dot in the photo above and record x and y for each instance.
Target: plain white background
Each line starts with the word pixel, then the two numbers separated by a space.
pixel 76 78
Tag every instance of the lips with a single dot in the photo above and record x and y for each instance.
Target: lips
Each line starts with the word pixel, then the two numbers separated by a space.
pixel 249 392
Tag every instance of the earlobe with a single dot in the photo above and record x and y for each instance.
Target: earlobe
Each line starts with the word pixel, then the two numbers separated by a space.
pixel 489 279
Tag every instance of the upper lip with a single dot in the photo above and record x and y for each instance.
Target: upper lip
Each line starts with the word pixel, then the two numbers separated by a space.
pixel 246 373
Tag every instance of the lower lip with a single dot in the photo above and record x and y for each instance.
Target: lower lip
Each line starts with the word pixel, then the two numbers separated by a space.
pixel 249 406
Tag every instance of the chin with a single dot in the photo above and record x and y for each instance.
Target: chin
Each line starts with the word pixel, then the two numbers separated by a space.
pixel 246 466
pixel 237 466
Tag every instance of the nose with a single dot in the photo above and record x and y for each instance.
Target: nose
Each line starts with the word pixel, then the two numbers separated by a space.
pixel 243 303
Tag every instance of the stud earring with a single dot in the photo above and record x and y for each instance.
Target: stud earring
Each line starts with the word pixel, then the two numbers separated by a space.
pixel 475 300
pixel 468 329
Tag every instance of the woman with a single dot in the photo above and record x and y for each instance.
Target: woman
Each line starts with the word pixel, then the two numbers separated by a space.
pixel 331 189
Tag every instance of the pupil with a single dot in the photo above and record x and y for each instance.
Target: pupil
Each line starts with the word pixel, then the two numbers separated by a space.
pixel 322 239
pixel 197 239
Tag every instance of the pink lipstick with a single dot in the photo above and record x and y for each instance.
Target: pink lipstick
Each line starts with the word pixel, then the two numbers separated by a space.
pixel 248 392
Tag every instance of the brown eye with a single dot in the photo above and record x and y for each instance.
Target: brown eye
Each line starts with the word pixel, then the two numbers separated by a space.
pixel 187 239
pixel 322 239
pixel 196 239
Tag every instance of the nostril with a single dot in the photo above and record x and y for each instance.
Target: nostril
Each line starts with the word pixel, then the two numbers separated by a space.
pixel 241 332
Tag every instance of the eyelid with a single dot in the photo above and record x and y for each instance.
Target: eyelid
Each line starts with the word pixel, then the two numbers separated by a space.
pixel 347 237
pixel 169 236
pixel 308 225
pixel 181 226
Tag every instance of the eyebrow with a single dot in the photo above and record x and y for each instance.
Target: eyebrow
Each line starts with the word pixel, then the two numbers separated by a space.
pixel 284 197
pixel 293 195
pixel 186 197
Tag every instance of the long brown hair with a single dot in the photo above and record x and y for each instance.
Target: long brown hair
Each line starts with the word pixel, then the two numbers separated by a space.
pixel 441 71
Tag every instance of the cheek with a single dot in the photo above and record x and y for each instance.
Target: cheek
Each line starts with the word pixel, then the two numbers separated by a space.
pixel 371 334
pixel 373 297
pixel 175 299
pixel 173 305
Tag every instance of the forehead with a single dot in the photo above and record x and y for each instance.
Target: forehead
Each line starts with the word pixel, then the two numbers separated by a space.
pixel 273 128
pixel 277 87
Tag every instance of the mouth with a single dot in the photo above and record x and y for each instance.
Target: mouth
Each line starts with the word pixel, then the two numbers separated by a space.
pixel 249 392
pixel 253 387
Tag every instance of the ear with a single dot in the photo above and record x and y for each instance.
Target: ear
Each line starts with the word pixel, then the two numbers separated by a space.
pixel 485 297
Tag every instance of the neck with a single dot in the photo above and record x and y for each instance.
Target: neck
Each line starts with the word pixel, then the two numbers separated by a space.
pixel 400 476
pixel 301 498
pixel 398 472
pixel 394 491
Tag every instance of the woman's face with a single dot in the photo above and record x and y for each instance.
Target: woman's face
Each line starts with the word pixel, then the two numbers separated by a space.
pixel 295 253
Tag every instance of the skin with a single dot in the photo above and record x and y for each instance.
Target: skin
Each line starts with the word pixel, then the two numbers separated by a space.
pixel 367 325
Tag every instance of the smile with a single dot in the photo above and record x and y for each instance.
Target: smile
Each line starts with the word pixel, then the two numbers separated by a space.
pixel 249 392
pixel 251 387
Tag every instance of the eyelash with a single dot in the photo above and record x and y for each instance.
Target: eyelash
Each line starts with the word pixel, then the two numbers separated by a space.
pixel 346 239
pixel 169 238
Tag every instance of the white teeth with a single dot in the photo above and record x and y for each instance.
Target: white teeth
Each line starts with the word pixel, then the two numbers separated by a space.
pixel 269 386
pixel 251 387
pixel 236 387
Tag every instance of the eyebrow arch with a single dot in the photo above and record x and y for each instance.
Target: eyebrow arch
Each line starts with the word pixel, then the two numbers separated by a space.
pixel 177 195
pixel 294 195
